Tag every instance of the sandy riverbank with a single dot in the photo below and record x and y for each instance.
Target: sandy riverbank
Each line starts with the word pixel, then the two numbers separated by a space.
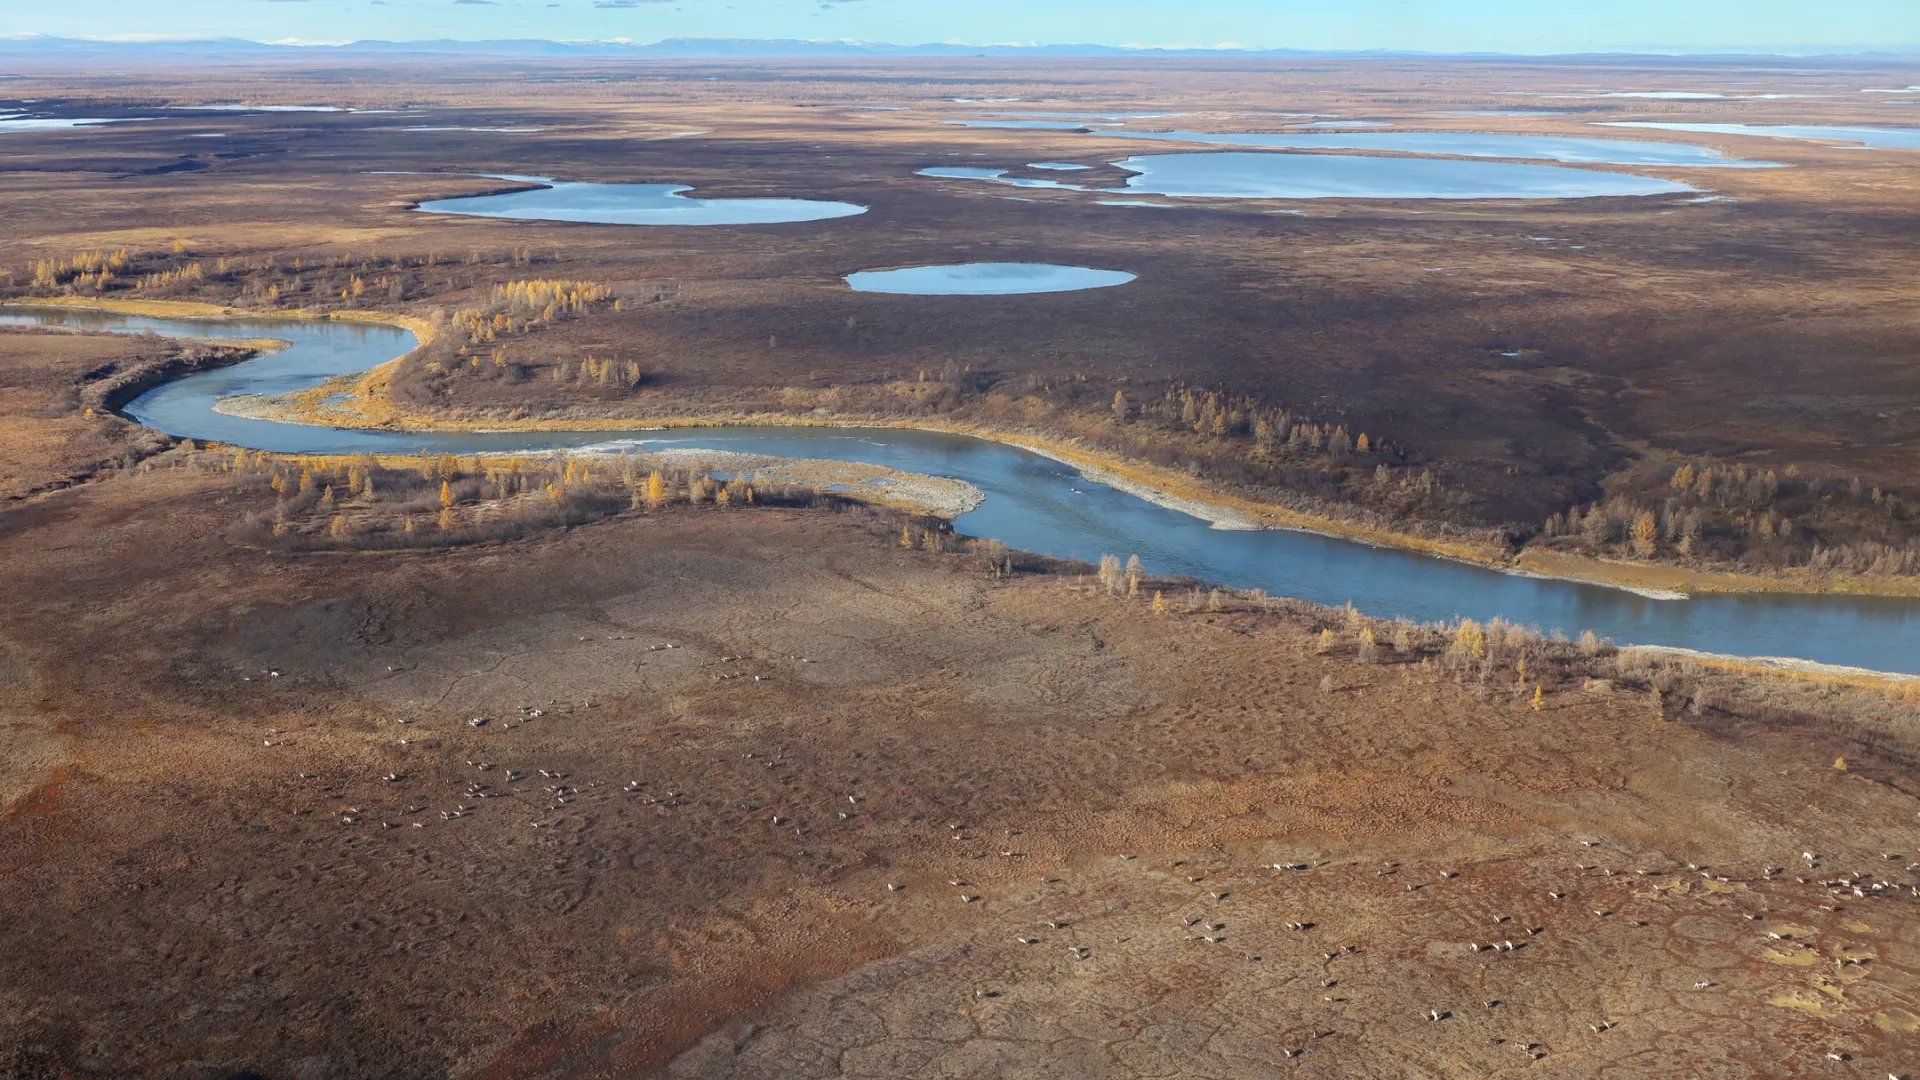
pixel 940 496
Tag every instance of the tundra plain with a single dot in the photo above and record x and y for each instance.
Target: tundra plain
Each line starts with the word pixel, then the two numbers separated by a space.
pixel 725 792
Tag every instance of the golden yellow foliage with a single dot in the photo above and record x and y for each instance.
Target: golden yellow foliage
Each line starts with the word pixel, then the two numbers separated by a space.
pixel 1470 638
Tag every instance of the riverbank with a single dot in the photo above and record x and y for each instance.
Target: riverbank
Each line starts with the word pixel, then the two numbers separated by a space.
pixel 422 329
pixel 362 401
pixel 940 496
pixel 1783 666
pixel 1689 580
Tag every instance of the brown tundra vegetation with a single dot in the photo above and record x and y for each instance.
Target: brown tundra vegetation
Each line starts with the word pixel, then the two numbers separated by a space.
pixel 592 765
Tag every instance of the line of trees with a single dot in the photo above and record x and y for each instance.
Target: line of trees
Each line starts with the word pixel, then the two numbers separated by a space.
pixel 1219 415
pixel 310 279
pixel 369 501
pixel 1706 510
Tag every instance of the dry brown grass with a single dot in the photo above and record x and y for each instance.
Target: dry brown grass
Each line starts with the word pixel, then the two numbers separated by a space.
pixel 724 919
pixel 57 392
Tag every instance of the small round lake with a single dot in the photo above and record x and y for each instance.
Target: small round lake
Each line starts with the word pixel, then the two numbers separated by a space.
pixel 633 204
pixel 985 279
pixel 1238 175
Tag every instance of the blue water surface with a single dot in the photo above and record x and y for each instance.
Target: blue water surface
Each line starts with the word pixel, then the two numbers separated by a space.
pixel 1038 504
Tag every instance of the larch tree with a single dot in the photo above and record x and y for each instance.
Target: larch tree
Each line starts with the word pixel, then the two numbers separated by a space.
pixel 1645 532
pixel 1470 639
pixel 1594 525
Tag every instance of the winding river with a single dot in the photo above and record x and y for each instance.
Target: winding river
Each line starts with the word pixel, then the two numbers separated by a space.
pixel 1038 504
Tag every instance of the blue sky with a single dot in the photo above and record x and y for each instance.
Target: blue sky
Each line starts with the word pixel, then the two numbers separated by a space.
pixel 1436 25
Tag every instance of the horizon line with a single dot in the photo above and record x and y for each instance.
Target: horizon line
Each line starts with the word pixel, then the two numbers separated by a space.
pixel 158 42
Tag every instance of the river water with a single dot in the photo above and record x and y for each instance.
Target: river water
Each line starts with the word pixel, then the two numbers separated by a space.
pixel 1038 504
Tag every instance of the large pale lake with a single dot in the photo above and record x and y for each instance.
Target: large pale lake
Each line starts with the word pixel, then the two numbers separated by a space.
pixel 1570 149
pixel 1238 175
pixel 1879 138
pixel 1040 505
pixel 1280 175
pixel 985 279
pixel 633 204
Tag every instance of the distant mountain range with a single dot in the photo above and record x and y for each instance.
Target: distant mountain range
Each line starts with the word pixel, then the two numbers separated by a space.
pixel 753 48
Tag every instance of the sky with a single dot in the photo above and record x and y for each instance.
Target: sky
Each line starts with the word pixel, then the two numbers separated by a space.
pixel 1522 26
